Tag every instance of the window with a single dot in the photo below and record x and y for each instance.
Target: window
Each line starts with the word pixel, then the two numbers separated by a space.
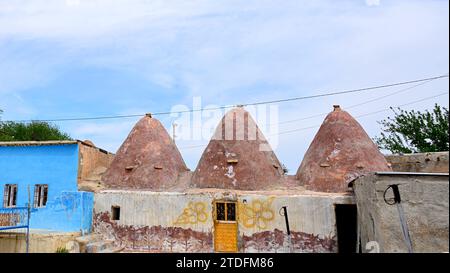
pixel 40 195
pixel 225 211
pixel 231 211
pixel 220 211
pixel 10 195
pixel 115 213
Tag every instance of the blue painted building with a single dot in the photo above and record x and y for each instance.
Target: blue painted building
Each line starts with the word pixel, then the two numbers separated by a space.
pixel 50 171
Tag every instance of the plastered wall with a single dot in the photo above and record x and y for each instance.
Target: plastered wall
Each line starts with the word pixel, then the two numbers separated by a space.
pixel 183 222
pixel 424 199
pixel 13 242
pixel 67 210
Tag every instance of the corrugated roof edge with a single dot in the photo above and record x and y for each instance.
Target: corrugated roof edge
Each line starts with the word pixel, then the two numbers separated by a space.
pixel 49 142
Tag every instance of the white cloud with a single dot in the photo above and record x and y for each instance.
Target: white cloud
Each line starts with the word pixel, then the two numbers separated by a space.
pixel 107 135
pixel 373 2
pixel 227 52
pixel 211 47
pixel 73 2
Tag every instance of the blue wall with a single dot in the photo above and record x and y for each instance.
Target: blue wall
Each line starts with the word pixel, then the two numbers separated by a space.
pixel 67 209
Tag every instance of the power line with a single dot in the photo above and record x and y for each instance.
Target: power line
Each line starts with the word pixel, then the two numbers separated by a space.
pixel 348 91
pixel 368 114
pixel 359 104
pixel 247 104
pixel 353 106
pixel 388 95
pixel 359 116
pixel 348 107
pixel 401 105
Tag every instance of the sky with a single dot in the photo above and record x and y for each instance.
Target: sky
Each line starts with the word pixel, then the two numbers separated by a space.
pixel 84 58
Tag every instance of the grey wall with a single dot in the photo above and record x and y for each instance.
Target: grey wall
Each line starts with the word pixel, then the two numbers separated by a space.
pixel 425 204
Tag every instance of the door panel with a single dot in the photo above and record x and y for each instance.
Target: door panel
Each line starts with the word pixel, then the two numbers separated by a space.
pixel 225 227
pixel 225 237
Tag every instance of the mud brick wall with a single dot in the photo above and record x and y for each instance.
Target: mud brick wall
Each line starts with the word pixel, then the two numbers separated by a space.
pixel 421 162
pixel 91 158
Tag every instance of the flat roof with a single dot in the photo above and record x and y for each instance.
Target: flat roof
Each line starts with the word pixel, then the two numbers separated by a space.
pixel 37 143
pixel 411 173
pixel 49 142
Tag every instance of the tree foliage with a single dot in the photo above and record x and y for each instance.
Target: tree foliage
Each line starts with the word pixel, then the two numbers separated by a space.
pixel 415 131
pixel 36 131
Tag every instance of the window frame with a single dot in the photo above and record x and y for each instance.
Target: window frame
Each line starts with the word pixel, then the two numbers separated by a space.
pixel 40 195
pixel 225 211
pixel 8 190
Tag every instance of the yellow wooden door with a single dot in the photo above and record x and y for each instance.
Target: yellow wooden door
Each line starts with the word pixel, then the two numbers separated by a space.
pixel 225 227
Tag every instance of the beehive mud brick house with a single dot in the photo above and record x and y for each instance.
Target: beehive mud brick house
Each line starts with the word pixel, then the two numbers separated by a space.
pixel 233 201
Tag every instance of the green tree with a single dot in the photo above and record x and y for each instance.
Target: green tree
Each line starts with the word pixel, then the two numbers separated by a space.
pixel 415 131
pixel 36 130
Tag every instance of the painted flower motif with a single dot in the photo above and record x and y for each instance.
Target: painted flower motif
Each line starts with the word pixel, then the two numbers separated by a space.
pixel 257 214
pixel 194 213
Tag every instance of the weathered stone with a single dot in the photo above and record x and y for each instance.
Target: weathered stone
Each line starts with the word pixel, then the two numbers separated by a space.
pixel 148 159
pixel 93 162
pixel 420 162
pixel 99 246
pixel 340 152
pixel 238 157
pixel 73 247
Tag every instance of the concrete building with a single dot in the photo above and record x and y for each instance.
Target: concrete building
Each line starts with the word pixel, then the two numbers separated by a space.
pixel 235 200
pixel 419 222
pixel 49 175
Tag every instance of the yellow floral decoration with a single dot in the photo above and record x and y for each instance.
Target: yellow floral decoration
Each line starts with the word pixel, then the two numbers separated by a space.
pixel 194 213
pixel 256 214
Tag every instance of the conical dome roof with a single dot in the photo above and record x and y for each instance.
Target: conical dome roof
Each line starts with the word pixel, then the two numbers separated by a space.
pixel 340 152
pixel 148 159
pixel 238 157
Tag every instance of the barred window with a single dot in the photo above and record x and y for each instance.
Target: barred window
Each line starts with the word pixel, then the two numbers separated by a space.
pixel 225 211
pixel 10 196
pixel 40 195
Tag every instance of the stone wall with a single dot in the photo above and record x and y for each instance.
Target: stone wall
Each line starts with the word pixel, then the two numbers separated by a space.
pixel 426 209
pixel 93 162
pixel 420 162
pixel 183 222
pixel 13 242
